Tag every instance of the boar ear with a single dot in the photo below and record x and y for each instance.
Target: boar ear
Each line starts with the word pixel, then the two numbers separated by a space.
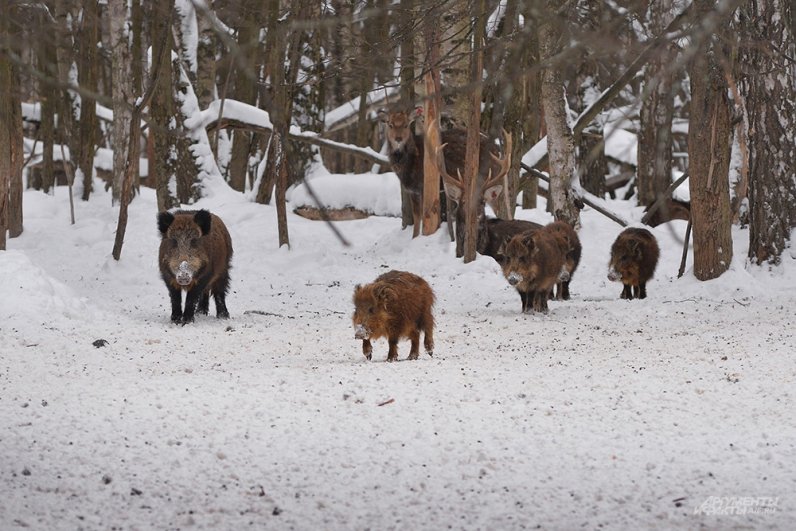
pixel 527 240
pixel 165 220
pixel 202 218
pixel 383 294
pixel 633 247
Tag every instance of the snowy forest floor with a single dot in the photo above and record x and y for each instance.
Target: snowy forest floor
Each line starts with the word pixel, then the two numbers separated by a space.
pixel 602 413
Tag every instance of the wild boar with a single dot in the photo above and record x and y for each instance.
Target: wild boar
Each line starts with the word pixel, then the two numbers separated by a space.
pixel 396 305
pixel 493 234
pixel 195 254
pixel 634 256
pixel 533 265
pixel 669 210
pixel 569 243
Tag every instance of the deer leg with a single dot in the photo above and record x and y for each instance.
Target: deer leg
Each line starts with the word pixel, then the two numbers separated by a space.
pixel 417 214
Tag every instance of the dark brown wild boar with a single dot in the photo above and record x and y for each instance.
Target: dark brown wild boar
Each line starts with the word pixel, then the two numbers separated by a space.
pixel 634 256
pixel 569 243
pixel 533 265
pixel 669 210
pixel 396 305
pixel 493 234
pixel 195 253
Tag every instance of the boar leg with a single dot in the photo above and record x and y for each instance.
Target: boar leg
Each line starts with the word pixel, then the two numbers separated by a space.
pixel 414 337
pixel 642 290
pixel 176 304
pixel 392 354
pixel 428 338
pixel 526 298
pixel 220 296
pixel 540 301
pixel 204 303
pixel 564 291
pixel 627 292
pixel 367 349
pixel 191 299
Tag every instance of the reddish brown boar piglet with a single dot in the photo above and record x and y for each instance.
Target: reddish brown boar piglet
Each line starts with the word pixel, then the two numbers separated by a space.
pixel 195 254
pixel 634 256
pixel 396 305
pixel 533 265
pixel 569 244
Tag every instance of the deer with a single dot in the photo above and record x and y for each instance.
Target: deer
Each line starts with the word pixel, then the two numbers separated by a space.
pixel 406 151
pixel 451 152
pixel 406 156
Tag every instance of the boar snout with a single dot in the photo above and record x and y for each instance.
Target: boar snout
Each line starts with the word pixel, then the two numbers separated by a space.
pixel 514 278
pixel 184 275
pixel 613 275
pixel 360 332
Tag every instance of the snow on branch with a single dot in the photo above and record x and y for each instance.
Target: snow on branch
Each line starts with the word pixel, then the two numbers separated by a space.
pixel 237 115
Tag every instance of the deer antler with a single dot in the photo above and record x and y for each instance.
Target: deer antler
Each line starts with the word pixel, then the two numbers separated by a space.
pixel 504 163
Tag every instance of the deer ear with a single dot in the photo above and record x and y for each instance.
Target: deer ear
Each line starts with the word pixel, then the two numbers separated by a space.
pixel 454 192
pixel 383 115
pixel 491 194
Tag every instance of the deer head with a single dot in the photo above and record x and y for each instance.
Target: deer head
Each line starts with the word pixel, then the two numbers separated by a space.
pixel 490 186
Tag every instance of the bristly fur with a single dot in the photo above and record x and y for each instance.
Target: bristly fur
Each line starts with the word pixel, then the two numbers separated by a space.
pixel 536 257
pixel 200 239
pixel 634 255
pixel 396 305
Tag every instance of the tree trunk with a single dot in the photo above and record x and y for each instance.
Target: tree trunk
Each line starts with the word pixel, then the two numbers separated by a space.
pixel 593 165
pixel 68 112
pixel 123 94
pixel 11 139
pixel 431 177
pixel 407 87
pixel 530 107
pixel 245 91
pixel 162 170
pixel 654 167
pixel 88 72
pixel 206 61
pixel 709 159
pixel 560 141
pixel 470 201
pixel 768 89
pixel 49 96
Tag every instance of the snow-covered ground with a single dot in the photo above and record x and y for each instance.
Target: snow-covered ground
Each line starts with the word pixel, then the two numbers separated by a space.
pixel 602 414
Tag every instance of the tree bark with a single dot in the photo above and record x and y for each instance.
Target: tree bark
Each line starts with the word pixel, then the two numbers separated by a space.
pixel 11 140
pixel 244 90
pixel 407 86
pixel 431 178
pixel 206 61
pixel 88 72
pixel 471 161
pixel 560 141
pixel 123 94
pixel 49 97
pixel 162 170
pixel 709 159
pixel 654 167
pixel 768 88
pixel 68 112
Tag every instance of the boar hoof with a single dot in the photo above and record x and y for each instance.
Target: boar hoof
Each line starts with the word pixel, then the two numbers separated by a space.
pixel 430 353
pixel 176 319
pixel 413 356
pixel 223 315
pixel 392 358
pixel 368 356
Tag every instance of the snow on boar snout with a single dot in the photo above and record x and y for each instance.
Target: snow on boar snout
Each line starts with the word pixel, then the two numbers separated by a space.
pixel 396 305
pixel 634 256
pixel 194 256
pixel 514 278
